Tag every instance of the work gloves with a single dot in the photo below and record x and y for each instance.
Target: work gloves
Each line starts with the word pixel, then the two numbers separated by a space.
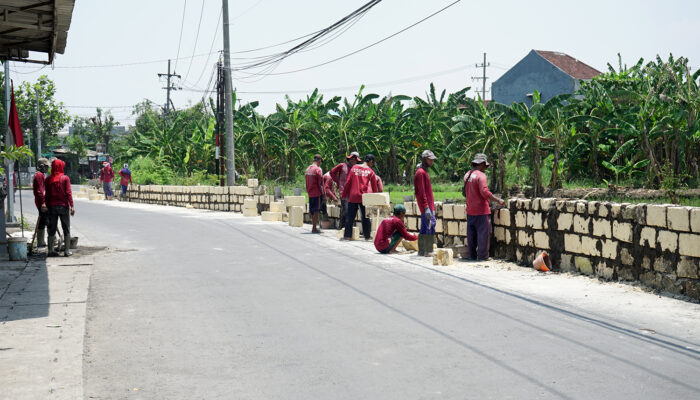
pixel 429 214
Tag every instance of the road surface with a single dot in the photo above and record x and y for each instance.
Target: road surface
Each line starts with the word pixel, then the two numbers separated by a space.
pixel 189 304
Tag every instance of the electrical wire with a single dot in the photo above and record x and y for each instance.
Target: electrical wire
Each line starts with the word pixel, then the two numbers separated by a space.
pixel 216 31
pixel 182 28
pixel 196 39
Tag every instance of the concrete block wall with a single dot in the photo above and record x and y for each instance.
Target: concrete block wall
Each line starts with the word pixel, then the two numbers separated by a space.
pixel 657 245
pixel 219 198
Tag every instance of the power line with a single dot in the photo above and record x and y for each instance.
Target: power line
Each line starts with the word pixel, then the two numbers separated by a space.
pixel 196 39
pixel 363 48
pixel 216 30
pixel 182 28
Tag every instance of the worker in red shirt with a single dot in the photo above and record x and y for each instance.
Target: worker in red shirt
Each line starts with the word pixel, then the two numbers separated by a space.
pixel 59 200
pixel 361 180
pixel 391 231
pixel 329 189
pixel 39 189
pixel 314 187
pixel 476 191
pixel 339 174
pixel 125 175
pixel 423 191
pixel 106 176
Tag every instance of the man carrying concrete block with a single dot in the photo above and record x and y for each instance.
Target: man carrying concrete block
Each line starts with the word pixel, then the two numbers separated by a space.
pixel 314 187
pixel 361 180
pixel 476 191
pixel 423 190
pixel 392 231
pixel 339 174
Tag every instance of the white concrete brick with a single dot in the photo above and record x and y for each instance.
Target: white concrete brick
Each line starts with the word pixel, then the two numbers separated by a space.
pixel 439 227
pixel 604 270
pixel 520 219
pixel 580 224
pixel 534 220
pixel 503 217
pixel 453 228
pixel 656 215
pixel 443 257
pixel 412 224
pixel 252 183
pixel 524 239
pixel 622 231
pixel 499 233
pixel 602 227
pixel 689 245
pixel 547 204
pixel 609 249
pixel 564 221
pixel 247 212
pixel 581 207
pixel 647 237
pixel 541 240
pixel 615 210
pixel 296 216
pixel 270 216
pixel 250 204
pixel 462 228
pixel 588 246
pixel 572 243
pixel 583 265
pixel 695 219
pixel 294 201
pixel 603 210
pixel 375 199
pixel 679 218
pixel 593 207
pixel 278 206
pixel 460 212
pixel 448 211
pixel 668 240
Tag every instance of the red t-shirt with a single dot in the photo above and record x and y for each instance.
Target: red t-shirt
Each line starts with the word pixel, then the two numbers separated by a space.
pixel 361 180
pixel 314 181
pixel 477 193
pixel 339 174
pixel 387 228
pixel 329 186
pixel 423 190
pixel 39 188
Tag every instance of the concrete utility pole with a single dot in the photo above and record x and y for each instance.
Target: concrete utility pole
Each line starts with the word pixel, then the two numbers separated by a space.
pixel 482 78
pixel 38 125
pixel 8 142
pixel 230 144
pixel 169 87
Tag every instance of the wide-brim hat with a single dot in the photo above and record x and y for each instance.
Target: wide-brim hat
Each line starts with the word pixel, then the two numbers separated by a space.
pixel 480 158
pixel 428 154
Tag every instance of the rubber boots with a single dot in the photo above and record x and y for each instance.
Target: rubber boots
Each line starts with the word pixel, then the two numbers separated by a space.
pixel 425 244
pixel 41 237
pixel 66 247
pixel 52 247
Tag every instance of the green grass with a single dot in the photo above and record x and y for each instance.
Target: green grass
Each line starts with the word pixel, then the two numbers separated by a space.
pixel 683 201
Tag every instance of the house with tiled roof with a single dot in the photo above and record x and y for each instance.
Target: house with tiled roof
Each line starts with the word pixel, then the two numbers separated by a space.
pixel 548 72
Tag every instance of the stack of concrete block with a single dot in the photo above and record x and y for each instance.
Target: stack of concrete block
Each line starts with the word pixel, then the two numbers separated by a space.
pixel 296 216
pixel 270 216
pixel 250 208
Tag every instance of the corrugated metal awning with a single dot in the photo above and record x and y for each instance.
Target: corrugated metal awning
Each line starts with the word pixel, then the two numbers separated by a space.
pixel 34 25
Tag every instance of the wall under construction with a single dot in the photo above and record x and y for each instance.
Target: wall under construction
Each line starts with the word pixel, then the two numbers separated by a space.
pixel 656 245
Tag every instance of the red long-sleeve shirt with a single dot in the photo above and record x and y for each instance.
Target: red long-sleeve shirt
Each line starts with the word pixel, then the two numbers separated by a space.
pixel 126 178
pixel 106 174
pixel 39 188
pixel 339 174
pixel 361 180
pixel 329 186
pixel 387 228
pixel 478 193
pixel 423 190
pixel 58 190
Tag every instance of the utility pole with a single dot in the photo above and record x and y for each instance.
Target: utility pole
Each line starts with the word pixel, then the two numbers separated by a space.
pixel 228 103
pixel 483 77
pixel 8 142
pixel 38 125
pixel 169 87
pixel 219 120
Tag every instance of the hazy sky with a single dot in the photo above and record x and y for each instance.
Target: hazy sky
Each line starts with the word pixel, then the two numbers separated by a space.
pixel 108 32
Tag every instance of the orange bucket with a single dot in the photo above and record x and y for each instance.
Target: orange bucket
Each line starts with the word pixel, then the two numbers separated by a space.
pixel 542 262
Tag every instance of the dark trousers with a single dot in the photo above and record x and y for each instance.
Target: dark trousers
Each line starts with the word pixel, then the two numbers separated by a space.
pixel 343 210
pixel 350 220
pixel 43 220
pixel 54 214
pixel 478 236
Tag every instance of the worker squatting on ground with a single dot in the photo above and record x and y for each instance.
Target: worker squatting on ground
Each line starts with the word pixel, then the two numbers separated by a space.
pixel 59 200
pixel 339 174
pixel 391 231
pixel 106 176
pixel 423 191
pixel 314 187
pixel 125 175
pixel 361 179
pixel 330 189
pixel 39 189
pixel 477 193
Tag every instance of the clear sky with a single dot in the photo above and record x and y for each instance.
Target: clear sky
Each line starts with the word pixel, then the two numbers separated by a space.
pixel 108 32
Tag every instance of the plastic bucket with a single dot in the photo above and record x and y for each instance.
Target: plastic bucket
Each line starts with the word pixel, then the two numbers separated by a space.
pixel 542 262
pixel 73 242
pixel 17 248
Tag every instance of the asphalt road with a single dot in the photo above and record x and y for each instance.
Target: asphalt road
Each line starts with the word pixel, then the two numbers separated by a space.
pixel 188 304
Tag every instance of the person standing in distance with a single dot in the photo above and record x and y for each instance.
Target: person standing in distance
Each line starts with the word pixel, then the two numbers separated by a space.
pixel 423 191
pixel 314 188
pixel 59 199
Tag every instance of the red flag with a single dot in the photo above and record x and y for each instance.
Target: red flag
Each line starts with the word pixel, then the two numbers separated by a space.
pixel 13 123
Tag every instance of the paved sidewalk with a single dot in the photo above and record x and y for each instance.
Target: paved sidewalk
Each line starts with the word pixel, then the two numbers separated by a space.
pixel 42 325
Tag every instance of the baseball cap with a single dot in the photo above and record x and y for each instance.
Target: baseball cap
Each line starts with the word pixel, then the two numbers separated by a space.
pixel 428 154
pixel 399 208
pixel 354 154
pixel 480 158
